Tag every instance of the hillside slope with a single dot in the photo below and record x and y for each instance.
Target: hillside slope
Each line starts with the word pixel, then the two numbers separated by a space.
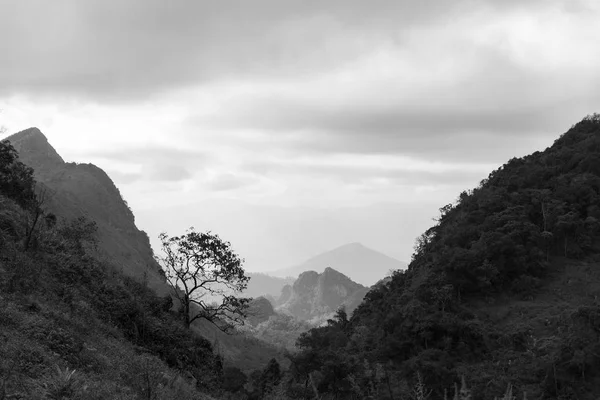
pixel 85 190
pixel 503 290
pixel 358 262
pixel 72 326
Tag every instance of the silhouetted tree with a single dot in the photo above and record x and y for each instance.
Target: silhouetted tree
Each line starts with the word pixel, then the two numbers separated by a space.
pixel 200 267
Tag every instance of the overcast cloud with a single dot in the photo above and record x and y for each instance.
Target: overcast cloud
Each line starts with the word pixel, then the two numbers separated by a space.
pixel 306 105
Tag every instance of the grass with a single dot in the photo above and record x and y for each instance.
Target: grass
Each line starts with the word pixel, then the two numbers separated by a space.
pixel 72 327
pixel 47 352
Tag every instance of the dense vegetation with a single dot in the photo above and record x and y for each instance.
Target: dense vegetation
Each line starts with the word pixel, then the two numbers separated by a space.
pixel 279 329
pixel 501 298
pixel 486 295
pixel 71 325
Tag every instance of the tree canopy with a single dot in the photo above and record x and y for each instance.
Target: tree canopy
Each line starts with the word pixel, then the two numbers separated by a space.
pixel 502 241
pixel 206 275
pixel 16 179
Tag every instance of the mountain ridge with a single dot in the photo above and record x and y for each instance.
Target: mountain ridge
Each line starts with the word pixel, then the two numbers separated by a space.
pixel 262 284
pixel 355 260
pixel 316 296
pixel 85 190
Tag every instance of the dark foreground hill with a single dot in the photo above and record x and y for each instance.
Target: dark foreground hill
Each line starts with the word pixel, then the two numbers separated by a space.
pixel 72 326
pixel 503 291
pixel 358 262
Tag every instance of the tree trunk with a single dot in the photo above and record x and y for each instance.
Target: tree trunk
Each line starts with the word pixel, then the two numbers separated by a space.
pixel 186 310
pixel 305 387
pixel 314 386
pixel 32 229
pixel 389 386
pixel 544 215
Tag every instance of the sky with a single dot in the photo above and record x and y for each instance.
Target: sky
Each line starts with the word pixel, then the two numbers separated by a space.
pixel 293 127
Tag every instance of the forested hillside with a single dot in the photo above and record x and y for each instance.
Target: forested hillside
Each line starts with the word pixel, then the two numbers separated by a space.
pixel 75 190
pixel 502 291
pixel 70 191
pixel 72 326
pixel 500 300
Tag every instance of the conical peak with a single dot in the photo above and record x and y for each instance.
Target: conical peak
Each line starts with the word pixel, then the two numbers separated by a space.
pixel 34 148
pixel 27 134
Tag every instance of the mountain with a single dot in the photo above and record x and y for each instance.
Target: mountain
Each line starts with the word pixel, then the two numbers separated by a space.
pixel 360 263
pixel 265 285
pixel 73 325
pixel 316 296
pixel 502 293
pixel 77 190
pixel 259 310
pixel 285 295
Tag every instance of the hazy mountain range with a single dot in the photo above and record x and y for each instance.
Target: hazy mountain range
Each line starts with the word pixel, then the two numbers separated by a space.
pixel 316 296
pixel 358 262
pixel 266 285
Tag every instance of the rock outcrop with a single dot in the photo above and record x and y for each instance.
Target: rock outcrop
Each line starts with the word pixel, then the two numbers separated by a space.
pixel 315 296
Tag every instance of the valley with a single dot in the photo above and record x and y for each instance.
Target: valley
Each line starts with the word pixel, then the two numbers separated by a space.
pixel 502 292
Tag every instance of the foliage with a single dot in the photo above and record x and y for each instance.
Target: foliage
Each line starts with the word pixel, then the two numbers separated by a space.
pixel 281 330
pixel 233 379
pixel 265 383
pixel 16 179
pixel 503 242
pixel 201 264
pixel 72 326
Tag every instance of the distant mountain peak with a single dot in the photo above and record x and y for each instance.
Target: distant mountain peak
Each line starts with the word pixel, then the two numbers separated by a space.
pixel 353 244
pixel 33 131
pixel 34 149
pixel 32 134
pixel 354 260
pixel 328 271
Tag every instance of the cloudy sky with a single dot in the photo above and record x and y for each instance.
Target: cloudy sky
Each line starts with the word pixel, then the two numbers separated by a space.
pixel 291 127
